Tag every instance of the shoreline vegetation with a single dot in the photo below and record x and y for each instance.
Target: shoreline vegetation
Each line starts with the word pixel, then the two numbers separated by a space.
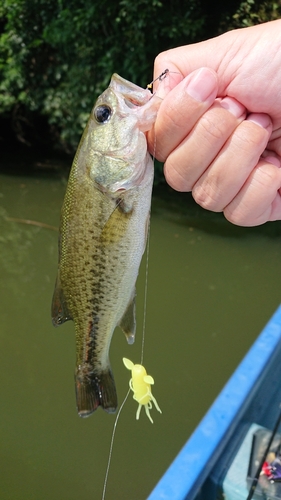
pixel 57 57
pixel 166 202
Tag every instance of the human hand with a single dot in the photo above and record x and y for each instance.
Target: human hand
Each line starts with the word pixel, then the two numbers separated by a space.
pixel 218 129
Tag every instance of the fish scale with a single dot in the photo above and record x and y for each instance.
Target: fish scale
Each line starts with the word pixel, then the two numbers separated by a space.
pixel 103 233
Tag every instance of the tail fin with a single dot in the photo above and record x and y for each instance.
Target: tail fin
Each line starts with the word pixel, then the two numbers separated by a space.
pixel 93 390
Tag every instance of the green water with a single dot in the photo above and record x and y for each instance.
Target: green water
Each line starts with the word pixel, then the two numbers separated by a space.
pixel 211 289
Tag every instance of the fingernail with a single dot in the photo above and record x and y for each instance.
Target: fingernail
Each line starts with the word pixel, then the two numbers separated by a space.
pixel 233 106
pixel 260 119
pixel 203 85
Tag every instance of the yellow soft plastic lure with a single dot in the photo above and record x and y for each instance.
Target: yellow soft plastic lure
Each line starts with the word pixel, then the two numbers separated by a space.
pixel 140 384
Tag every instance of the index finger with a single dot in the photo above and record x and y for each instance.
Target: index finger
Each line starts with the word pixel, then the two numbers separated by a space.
pixel 188 58
pixel 180 110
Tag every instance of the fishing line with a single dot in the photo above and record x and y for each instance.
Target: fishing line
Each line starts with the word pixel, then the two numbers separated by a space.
pixel 149 86
pixel 160 78
pixel 111 444
pixel 126 397
pixel 145 295
pixel 128 392
pixel 142 354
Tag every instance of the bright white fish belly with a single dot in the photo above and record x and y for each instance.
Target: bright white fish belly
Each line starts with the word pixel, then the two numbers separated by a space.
pixel 103 233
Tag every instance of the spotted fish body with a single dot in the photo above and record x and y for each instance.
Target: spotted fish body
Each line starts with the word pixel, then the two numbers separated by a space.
pixel 103 233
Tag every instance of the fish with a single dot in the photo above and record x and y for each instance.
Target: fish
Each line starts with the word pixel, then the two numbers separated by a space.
pixel 102 237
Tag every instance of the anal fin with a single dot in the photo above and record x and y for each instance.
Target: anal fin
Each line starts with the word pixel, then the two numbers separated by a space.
pixel 60 312
pixel 128 321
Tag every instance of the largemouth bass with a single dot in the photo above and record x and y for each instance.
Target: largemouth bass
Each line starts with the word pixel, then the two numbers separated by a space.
pixel 103 232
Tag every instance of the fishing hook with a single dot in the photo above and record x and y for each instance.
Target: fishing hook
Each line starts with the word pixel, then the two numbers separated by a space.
pixel 160 78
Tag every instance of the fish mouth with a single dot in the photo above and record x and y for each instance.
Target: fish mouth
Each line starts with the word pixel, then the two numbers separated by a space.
pixel 132 103
pixel 134 95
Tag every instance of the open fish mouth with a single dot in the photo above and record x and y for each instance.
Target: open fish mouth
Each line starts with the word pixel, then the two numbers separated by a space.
pixel 133 103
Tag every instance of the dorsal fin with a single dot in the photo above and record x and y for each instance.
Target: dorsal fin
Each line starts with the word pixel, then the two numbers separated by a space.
pixel 60 312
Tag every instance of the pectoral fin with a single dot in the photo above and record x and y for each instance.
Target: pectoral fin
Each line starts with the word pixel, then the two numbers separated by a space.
pixel 117 224
pixel 128 321
pixel 60 312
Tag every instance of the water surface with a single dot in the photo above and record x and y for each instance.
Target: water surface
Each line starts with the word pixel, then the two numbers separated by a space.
pixel 211 289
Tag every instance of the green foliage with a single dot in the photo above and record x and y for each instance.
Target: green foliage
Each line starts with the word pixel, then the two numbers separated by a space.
pixel 56 57
pixel 252 12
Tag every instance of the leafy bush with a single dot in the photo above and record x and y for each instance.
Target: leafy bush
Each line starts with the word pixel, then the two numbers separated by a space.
pixel 251 12
pixel 56 57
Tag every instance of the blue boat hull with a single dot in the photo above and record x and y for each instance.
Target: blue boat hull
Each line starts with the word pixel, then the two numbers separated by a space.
pixel 198 471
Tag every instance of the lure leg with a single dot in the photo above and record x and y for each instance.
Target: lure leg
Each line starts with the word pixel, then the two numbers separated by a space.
pixel 155 403
pixel 147 408
pixel 138 412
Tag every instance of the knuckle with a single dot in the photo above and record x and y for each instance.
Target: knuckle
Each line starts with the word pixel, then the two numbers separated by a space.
pixel 239 212
pixel 251 138
pixel 270 174
pixel 253 203
pixel 205 195
pixel 237 216
pixel 213 130
pixel 160 60
pixel 264 181
pixel 175 178
pixel 241 215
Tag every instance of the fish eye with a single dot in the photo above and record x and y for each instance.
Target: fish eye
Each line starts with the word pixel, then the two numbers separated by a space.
pixel 102 113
